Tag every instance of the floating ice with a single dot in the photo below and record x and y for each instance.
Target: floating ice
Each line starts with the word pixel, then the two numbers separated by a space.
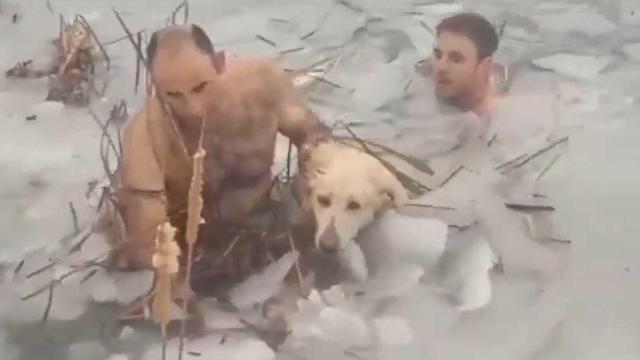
pixel 632 51
pixel 396 239
pixel 260 287
pixel 393 331
pixel 474 291
pixel 70 300
pixel 132 285
pixel 341 326
pixel 87 351
pixel 96 246
pixel 118 357
pixel 630 12
pixel 577 66
pixel 584 21
pixel 384 83
pixel 354 259
pixel 441 9
pixel 8 350
pixel 212 347
pixel 337 27
pixel 102 288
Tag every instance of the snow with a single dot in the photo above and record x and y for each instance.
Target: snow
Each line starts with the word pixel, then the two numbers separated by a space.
pixel 441 294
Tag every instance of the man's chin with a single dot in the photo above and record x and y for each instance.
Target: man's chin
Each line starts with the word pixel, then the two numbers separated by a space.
pixel 446 95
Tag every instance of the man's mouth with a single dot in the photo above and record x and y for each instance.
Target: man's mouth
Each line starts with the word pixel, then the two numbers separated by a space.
pixel 443 81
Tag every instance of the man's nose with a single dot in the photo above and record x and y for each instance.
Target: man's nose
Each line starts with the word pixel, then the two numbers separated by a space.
pixel 197 107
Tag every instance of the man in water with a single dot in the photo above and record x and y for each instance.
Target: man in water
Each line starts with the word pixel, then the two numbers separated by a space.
pixel 462 62
pixel 239 104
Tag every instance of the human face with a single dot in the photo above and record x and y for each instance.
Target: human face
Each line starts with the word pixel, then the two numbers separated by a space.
pixel 456 69
pixel 184 80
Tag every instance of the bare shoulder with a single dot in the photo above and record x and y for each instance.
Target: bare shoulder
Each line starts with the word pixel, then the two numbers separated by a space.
pixel 258 74
pixel 138 124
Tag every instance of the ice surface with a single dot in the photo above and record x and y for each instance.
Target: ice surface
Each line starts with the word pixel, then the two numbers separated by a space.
pixel 118 357
pixel 393 331
pixel 131 286
pixel 577 66
pixel 210 347
pixel 9 351
pixel 582 20
pixel 102 287
pixel 632 50
pixel 87 351
pixel 630 12
pixel 49 161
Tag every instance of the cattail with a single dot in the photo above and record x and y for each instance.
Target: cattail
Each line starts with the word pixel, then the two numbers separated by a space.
pixel 165 261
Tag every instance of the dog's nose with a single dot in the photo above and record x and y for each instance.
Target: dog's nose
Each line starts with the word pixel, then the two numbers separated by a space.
pixel 328 241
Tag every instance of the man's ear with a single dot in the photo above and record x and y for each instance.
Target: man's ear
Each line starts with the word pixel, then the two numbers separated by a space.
pixel 484 67
pixel 219 61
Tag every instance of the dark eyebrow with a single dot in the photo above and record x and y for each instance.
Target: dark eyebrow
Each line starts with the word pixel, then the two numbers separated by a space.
pixel 198 88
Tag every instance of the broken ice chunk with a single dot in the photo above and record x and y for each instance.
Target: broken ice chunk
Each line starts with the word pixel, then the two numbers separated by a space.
pixel 382 84
pixel 86 351
pixel 132 285
pixel 95 247
pixel 441 8
pixel 632 51
pixel 102 288
pixel 260 287
pixel 393 331
pixel 353 259
pixel 118 357
pixel 343 327
pixel 585 22
pixel 582 67
pixel 211 347
pixel 630 12
pixel 399 238
pixel 474 291
pixel 9 351
pixel 69 301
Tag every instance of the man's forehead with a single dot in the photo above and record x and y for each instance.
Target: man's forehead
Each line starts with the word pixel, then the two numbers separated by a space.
pixel 182 70
pixel 449 41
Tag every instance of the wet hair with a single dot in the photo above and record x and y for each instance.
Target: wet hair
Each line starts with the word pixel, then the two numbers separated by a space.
pixel 199 37
pixel 476 28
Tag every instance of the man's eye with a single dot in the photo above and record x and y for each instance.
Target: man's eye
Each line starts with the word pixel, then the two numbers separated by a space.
pixel 173 94
pixel 200 87
pixel 437 53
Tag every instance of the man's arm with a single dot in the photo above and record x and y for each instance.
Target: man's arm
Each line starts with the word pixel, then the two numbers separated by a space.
pixel 295 120
pixel 141 192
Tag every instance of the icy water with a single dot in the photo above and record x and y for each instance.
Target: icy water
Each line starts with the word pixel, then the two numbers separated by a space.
pixel 576 73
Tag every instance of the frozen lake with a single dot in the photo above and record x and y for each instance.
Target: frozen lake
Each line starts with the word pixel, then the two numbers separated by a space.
pixel 576 74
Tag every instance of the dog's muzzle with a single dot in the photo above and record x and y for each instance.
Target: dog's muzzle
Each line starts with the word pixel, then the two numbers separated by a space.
pixel 329 240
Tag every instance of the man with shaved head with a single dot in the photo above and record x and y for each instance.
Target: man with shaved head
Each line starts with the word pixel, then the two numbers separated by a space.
pixel 239 104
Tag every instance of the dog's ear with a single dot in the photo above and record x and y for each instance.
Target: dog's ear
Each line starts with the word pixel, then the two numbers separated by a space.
pixel 391 189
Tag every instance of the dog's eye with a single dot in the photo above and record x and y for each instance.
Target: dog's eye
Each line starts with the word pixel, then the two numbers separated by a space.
pixel 324 201
pixel 352 205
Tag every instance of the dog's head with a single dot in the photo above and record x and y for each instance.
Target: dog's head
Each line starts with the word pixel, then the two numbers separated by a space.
pixel 346 187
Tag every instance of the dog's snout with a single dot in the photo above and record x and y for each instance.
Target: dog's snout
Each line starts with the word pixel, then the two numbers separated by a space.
pixel 328 241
